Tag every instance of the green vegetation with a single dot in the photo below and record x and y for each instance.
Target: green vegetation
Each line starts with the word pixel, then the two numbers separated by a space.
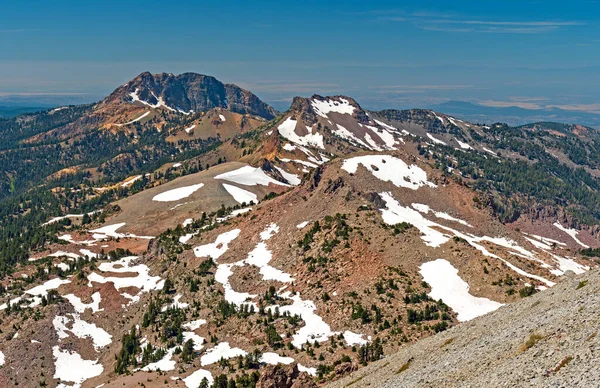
pixel 533 339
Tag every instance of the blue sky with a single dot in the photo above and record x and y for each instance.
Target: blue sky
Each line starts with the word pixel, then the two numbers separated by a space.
pixel 386 54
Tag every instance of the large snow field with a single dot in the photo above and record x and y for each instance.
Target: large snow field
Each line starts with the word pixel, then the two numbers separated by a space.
pixel 449 287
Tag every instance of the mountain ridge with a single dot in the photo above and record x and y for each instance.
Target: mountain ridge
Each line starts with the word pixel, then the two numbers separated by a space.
pixel 306 240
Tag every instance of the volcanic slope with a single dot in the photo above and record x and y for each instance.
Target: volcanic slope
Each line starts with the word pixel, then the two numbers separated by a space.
pixel 335 263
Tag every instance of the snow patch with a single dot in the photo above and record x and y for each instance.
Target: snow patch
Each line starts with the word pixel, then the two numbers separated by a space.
pixel 241 195
pixel 390 169
pixel 571 232
pixel 449 287
pixel 287 129
pixel 222 350
pixel 249 176
pixel 177 194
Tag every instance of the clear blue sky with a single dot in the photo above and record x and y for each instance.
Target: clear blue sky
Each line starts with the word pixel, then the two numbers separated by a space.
pixel 385 54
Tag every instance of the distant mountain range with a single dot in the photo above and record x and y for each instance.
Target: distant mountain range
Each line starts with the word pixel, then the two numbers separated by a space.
pixel 514 115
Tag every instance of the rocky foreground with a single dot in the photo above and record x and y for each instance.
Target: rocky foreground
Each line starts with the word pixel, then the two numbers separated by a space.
pixel 547 340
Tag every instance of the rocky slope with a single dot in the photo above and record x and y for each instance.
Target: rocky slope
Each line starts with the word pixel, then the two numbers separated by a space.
pixel 291 250
pixel 547 340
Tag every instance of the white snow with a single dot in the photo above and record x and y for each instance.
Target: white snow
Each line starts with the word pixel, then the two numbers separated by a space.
pixel 2 359
pixel 241 195
pixel 390 169
pixel 302 162
pixel 164 364
pixel 287 129
pixel 436 141
pixel 62 266
pixel 269 232
pixel 185 238
pixel 220 246
pixel 464 146
pixel 386 126
pixel 89 254
pixel 289 147
pixel 196 339
pixel 426 209
pixel 448 286
pixel 310 371
pixel 131 181
pixel 58 109
pixel 159 102
pixel 193 325
pixel 302 224
pixel 222 275
pixel 194 380
pixel 56 219
pixel 176 165
pixel 37 292
pixel 354 339
pixel 387 137
pixel 175 304
pixel 274 359
pixel 538 244
pixel 143 281
pixel 72 368
pixel 111 231
pixel 189 129
pixel 343 133
pixel 260 257
pixel 80 307
pixel 394 213
pixel 222 350
pixel 222 117
pixel 315 329
pixel 323 107
pixel 439 118
pixel 187 222
pixel 571 232
pixel 546 240
pixel 292 179
pixel 134 120
pixel 249 176
pixel 489 151
pixel 178 193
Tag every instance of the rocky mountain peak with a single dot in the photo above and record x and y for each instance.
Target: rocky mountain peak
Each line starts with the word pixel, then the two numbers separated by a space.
pixel 316 105
pixel 189 92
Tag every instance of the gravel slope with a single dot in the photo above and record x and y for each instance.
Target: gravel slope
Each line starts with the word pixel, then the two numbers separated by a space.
pixel 491 351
